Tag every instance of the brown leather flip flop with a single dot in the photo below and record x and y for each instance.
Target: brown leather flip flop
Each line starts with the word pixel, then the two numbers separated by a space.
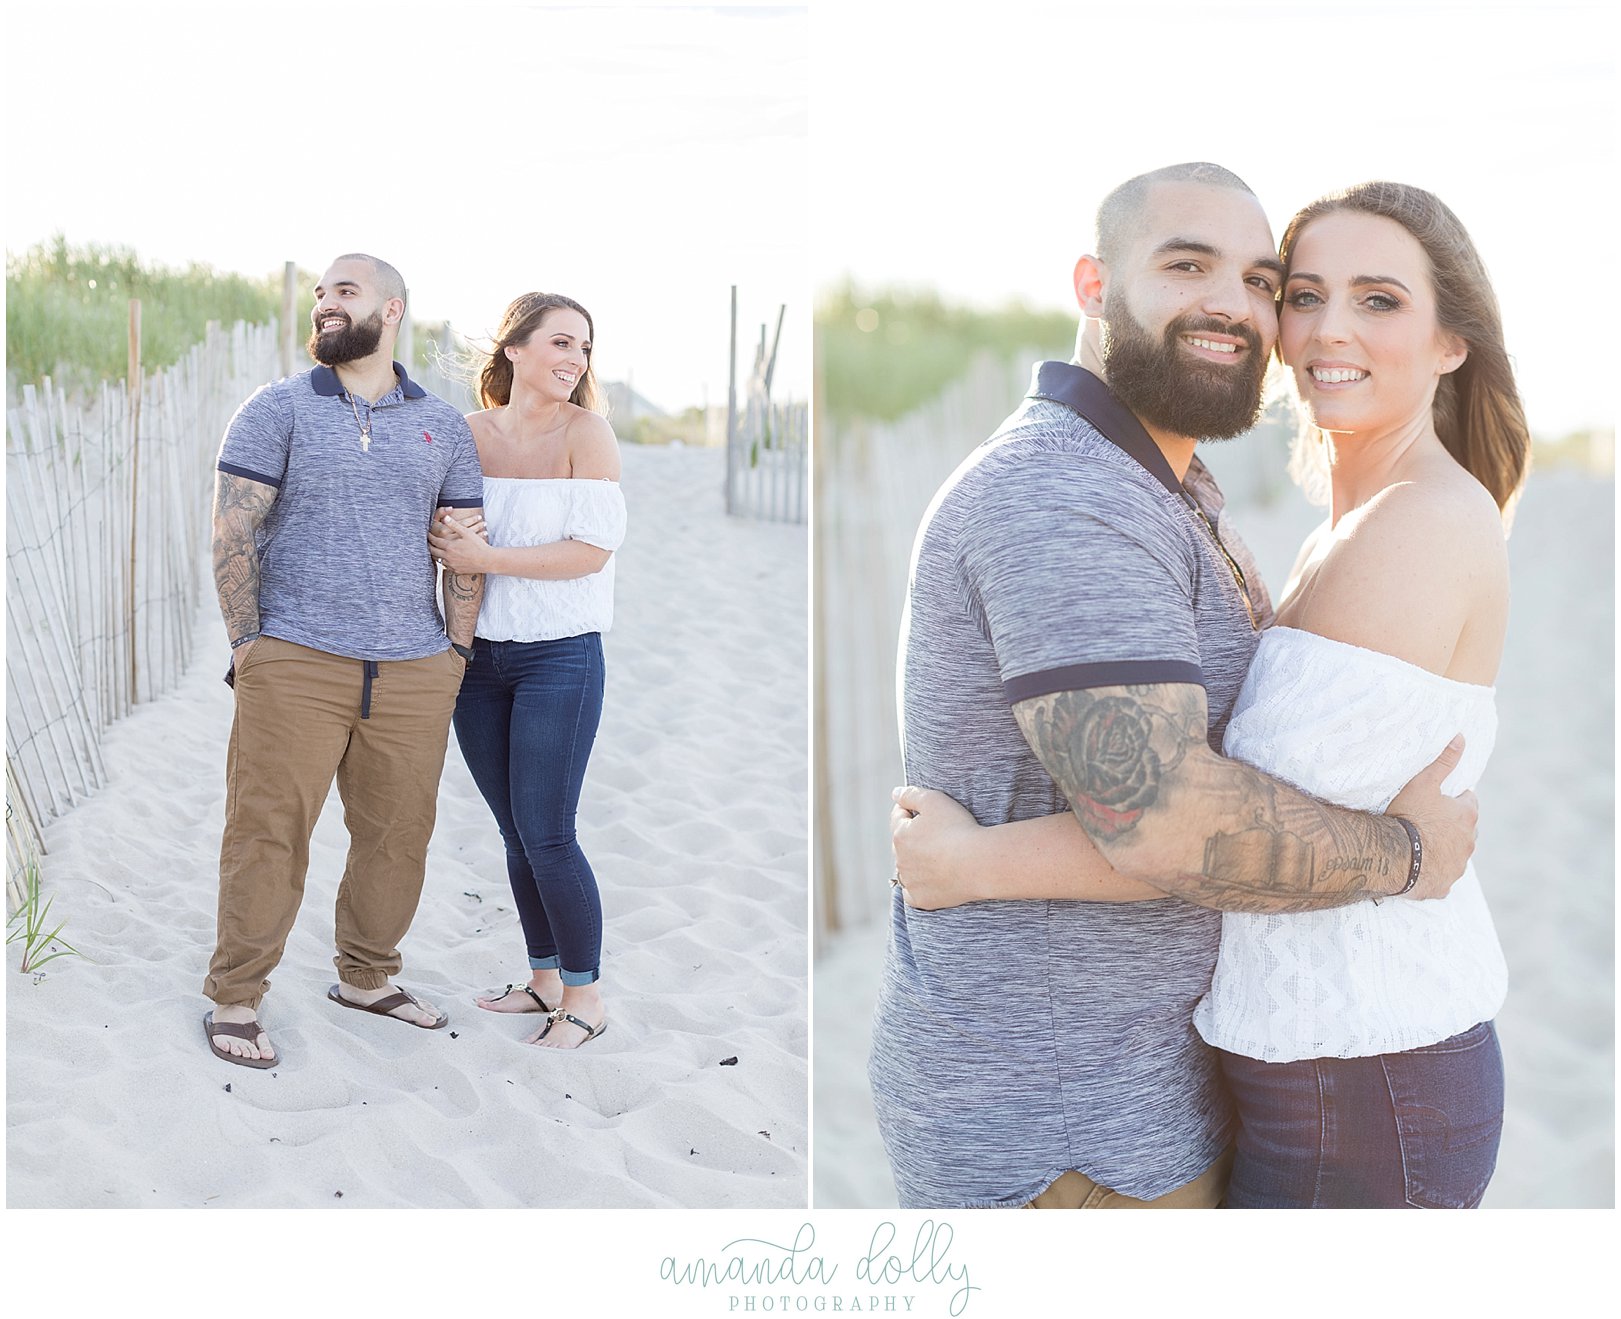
pixel 247 1030
pixel 384 1007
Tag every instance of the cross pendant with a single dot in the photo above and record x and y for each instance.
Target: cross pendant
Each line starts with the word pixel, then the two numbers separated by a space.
pixel 365 441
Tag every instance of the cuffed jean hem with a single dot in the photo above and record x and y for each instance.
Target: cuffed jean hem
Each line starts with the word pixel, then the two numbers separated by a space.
pixel 575 978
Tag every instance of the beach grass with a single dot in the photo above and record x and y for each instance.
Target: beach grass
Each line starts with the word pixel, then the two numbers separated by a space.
pixel 67 310
pixel 882 353
pixel 28 923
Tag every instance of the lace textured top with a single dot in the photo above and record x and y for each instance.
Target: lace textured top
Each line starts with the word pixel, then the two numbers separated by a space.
pixel 522 511
pixel 1352 726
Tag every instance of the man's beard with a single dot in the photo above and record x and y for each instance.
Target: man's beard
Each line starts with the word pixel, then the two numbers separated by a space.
pixel 1168 388
pixel 352 342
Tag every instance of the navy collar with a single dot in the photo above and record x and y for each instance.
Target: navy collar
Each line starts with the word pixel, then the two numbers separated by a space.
pixel 324 380
pixel 1081 391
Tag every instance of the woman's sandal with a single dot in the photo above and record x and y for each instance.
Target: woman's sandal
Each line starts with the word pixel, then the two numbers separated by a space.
pixel 591 1032
pixel 541 1004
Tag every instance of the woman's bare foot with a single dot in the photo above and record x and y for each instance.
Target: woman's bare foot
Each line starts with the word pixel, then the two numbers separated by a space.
pixel 547 986
pixel 240 1014
pixel 582 1001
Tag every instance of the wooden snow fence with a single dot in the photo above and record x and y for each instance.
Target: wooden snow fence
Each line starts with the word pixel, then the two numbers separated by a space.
pixel 107 534
pixel 873 484
pixel 766 463
pixel 767 443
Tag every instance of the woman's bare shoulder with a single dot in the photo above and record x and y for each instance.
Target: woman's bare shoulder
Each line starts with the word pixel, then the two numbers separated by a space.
pixel 1412 570
pixel 1439 520
pixel 485 423
pixel 593 449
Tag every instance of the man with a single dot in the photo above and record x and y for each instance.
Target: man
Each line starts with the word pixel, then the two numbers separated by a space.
pixel 1078 626
pixel 328 482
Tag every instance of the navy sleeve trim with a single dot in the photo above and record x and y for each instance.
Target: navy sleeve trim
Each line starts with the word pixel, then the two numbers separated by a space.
pixel 1116 673
pixel 251 475
pixel 462 503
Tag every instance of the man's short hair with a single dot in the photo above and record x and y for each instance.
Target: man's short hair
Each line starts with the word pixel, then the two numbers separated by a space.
pixel 389 282
pixel 1123 207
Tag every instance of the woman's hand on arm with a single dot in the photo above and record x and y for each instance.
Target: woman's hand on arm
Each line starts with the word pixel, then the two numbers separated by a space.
pixel 462 548
pixel 470 518
pixel 558 560
pixel 945 858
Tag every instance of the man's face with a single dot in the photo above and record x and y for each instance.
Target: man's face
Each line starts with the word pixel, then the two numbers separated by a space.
pixel 1189 313
pixel 347 319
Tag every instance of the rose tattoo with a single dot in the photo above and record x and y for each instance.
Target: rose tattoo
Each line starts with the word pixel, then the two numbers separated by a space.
pixel 1117 770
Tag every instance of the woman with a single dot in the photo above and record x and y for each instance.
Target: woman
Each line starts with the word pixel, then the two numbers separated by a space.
pixel 532 696
pixel 1357 1041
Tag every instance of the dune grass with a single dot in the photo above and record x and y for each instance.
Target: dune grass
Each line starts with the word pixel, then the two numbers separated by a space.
pixel 882 353
pixel 27 925
pixel 67 310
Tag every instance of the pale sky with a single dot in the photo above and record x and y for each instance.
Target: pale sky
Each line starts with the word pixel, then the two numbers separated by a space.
pixel 970 152
pixel 640 160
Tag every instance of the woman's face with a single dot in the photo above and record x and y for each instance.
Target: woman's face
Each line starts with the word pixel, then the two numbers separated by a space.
pixel 552 359
pixel 1358 324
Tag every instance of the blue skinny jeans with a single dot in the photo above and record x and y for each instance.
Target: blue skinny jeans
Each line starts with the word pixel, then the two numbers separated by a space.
pixel 1411 1130
pixel 525 720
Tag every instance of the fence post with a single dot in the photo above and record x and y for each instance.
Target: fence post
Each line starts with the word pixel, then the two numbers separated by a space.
pixel 133 386
pixel 731 401
pixel 289 307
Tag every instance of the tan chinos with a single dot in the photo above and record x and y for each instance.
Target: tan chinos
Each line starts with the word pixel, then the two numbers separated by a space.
pixel 303 718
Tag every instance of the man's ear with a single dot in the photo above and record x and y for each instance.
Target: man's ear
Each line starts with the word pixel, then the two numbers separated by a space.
pixel 393 311
pixel 1091 277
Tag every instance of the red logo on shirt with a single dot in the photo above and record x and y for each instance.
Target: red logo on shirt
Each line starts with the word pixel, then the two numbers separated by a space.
pixel 426 438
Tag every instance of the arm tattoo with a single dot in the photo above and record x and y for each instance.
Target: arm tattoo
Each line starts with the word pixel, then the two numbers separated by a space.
pixel 463 593
pixel 1135 767
pixel 240 505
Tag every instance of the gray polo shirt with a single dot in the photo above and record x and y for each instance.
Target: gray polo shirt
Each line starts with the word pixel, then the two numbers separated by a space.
pixel 1016 1040
pixel 343 553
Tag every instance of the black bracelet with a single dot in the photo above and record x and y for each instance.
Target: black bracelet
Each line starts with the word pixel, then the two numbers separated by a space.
pixel 466 652
pixel 244 639
pixel 1418 855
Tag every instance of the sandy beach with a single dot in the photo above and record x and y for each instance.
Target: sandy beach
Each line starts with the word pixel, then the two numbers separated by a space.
pixel 694 818
pixel 1545 860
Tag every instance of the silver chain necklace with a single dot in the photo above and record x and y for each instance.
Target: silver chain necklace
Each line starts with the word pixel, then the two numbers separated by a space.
pixel 365 427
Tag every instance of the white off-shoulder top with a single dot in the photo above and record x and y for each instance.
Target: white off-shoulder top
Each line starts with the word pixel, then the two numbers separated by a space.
pixel 522 511
pixel 1352 726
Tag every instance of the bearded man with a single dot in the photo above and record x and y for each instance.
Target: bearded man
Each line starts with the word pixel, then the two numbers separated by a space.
pixel 1074 585
pixel 341 663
